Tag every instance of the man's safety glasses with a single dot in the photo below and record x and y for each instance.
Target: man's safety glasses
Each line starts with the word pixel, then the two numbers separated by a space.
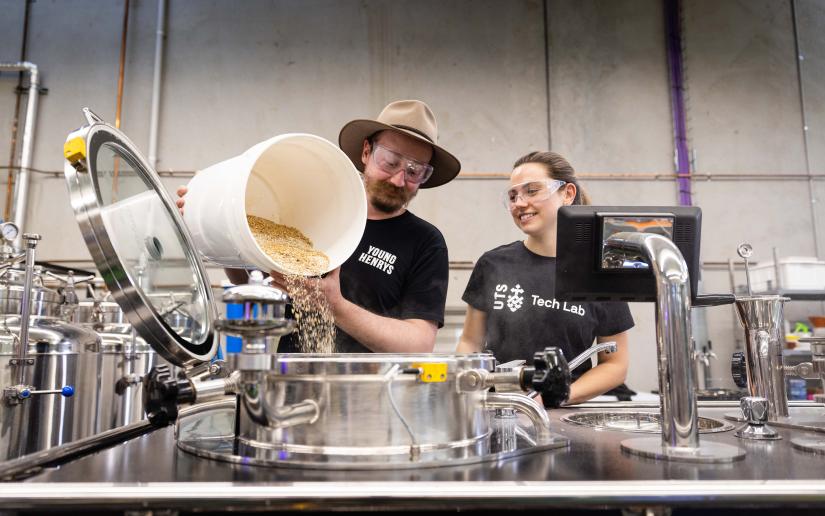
pixel 391 162
pixel 530 191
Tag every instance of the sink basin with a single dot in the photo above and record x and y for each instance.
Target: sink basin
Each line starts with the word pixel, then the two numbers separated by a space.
pixel 644 422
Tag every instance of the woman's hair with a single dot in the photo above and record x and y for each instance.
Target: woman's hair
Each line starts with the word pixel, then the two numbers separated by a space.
pixel 557 168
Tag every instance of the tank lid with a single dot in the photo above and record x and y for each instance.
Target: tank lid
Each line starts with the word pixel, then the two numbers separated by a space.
pixel 138 241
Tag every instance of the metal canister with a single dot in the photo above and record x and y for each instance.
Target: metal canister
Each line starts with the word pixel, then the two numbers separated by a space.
pixel 40 421
pixel 112 369
pixel 44 302
pixel 366 406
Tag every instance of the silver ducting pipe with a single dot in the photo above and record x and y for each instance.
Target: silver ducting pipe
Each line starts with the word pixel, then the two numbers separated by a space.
pixel 158 68
pixel 21 185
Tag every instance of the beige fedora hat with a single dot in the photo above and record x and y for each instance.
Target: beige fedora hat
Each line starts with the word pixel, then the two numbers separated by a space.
pixel 411 117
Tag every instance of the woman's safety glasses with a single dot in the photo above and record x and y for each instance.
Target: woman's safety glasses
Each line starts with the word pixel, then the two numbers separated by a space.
pixel 531 191
pixel 391 162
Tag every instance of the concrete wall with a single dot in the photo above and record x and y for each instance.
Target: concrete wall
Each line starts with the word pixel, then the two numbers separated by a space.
pixel 237 73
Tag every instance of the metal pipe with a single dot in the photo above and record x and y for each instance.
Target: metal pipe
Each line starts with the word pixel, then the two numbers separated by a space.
pixel 673 41
pixel 155 110
pixel 521 403
pixel 21 186
pixel 119 98
pixel 121 72
pixel 799 58
pixel 34 463
pixel 214 389
pixel 680 427
pixel 590 176
pixel 16 120
pixel 546 18
pixel 25 309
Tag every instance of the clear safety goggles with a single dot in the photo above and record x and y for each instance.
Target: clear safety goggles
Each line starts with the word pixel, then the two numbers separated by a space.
pixel 530 191
pixel 391 162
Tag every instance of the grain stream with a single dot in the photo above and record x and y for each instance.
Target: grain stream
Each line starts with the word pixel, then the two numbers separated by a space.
pixel 294 252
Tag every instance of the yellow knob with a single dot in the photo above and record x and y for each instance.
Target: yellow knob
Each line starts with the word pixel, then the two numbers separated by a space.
pixel 74 150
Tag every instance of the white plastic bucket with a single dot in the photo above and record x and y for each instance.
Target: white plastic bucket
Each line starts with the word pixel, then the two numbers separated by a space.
pixel 299 180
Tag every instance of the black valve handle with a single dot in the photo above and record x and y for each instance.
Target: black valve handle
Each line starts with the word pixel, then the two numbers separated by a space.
pixel 549 376
pixel 739 369
pixel 162 393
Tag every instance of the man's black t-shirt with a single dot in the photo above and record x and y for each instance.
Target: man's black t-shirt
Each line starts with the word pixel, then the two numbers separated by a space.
pixel 516 289
pixel 400 270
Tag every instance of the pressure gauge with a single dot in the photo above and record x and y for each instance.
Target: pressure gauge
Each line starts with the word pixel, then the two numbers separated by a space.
pixel 9 230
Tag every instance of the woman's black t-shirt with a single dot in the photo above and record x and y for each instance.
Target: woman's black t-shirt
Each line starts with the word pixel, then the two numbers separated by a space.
pixel 516 289
pixel 400 269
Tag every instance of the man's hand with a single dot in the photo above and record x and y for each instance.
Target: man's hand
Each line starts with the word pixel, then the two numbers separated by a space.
pixel 181 201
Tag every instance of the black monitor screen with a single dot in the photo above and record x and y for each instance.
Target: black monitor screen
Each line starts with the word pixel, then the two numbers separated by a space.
pixel 584 272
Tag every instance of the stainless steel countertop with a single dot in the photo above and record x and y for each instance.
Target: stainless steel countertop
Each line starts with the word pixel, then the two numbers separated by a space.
pixel 150 471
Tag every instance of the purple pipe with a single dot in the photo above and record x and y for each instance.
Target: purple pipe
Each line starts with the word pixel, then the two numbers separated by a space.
pixel 673 38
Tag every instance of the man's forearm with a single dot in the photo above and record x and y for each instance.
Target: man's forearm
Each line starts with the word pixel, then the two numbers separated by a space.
pixel 385 334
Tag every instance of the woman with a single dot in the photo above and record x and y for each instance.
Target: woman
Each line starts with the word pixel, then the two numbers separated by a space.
pixel 512 311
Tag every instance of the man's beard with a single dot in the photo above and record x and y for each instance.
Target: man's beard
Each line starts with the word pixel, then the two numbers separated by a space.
pixel 387 197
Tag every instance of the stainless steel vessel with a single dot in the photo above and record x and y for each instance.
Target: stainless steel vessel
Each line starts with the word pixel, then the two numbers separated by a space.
pixel 361 408
pixel 44 302
pixel 318 410
pixel 112 369
pixel 42 420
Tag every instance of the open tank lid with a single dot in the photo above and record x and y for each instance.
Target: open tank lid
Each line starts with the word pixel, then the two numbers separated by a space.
pixel 139 242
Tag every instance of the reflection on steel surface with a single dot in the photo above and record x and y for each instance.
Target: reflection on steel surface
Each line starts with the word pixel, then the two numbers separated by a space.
pixel 210 434
pixel 642 422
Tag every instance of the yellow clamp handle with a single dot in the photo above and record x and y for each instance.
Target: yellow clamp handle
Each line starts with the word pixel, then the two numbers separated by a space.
pixel 74 150
pixel 432 372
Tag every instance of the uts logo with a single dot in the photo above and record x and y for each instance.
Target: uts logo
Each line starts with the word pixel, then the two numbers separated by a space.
pixel 514 301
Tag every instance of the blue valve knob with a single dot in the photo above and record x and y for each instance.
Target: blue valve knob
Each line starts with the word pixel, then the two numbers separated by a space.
pixel 25 393
pixel 67 391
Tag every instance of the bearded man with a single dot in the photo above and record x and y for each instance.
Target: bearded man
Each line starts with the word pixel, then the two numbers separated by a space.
pixel 389 296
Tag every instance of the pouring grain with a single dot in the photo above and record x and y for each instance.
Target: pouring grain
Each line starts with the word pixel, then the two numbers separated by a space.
pixel 294 252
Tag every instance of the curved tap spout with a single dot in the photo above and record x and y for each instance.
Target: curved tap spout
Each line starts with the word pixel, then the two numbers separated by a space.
pixel 673 334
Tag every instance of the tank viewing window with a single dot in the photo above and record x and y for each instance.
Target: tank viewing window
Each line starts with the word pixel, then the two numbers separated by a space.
pixel 148 244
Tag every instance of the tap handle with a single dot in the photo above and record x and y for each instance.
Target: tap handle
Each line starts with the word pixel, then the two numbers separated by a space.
pixel 713 300
pixel 755 410
pixel 162 393
pixel 549 376
pixel 739 369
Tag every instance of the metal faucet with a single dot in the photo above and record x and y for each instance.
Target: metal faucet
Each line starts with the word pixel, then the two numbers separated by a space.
pixel 680 427
pixel 704 357
pixel 610 347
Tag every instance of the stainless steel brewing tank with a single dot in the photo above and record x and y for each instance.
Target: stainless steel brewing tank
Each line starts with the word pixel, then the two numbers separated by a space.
pixel 112 369
pixel 43 420
pixel 44 302
pixel 99 313
pixel 366 406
